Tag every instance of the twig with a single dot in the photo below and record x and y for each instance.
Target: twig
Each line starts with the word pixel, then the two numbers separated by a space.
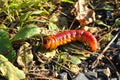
pixel 39 59
pixel 95 63
pixel 72 23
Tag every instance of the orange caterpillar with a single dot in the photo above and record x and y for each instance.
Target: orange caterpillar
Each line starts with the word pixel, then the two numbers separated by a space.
pixel 52 42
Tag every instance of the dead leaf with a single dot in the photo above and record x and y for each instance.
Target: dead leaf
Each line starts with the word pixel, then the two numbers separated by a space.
pixel 25 55
pixel 74 68
pixel 83 14
pixel 90 29
pixel 107 72
pixel 50 54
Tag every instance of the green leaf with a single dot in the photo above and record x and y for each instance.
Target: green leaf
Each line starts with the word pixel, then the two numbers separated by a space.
pixel 108 7
pixel 108 37
pixel 99 22
pixel 117 21
pixel 53 18
pixel 69 1
pixel 37 12
pixel 75 60
pixel 6 46
pixel 9 71
pixel 2 26
pixel 52 26
pixel 27 32
pixel 38 20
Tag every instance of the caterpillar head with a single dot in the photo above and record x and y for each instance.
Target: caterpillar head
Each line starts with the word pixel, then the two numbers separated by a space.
pixel 47 42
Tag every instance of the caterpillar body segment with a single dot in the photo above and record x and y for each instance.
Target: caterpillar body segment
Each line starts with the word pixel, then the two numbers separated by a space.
pixel 52 42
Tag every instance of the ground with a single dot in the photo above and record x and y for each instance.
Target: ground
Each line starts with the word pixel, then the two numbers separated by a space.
pixel 27 25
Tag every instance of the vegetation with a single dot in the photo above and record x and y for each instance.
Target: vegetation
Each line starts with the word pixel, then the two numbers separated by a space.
pixel 25 23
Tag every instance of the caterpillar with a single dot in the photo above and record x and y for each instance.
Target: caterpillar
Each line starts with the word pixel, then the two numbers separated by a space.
pixel 52 42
